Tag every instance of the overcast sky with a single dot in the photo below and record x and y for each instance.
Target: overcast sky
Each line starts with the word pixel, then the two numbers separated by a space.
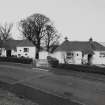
pixel 76 19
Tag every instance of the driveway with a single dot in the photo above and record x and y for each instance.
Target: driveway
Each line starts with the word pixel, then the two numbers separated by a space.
pixel 82 90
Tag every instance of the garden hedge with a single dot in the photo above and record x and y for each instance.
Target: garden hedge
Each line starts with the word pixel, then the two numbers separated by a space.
pixel 16 60
pixel 83 68
pixel 52 61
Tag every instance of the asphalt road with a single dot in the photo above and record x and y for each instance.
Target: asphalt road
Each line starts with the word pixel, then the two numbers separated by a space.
pixel 76 89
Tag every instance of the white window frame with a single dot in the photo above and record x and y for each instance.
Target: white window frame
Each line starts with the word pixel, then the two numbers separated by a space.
pixel 102 54
pixel 26 50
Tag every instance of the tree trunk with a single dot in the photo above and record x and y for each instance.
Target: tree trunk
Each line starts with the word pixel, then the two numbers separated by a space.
pixel 37 49
pixel 48 48
pixel 37 53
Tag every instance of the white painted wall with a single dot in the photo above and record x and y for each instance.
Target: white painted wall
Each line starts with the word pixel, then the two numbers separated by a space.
pixel 43 55
pixel 97 59
pixel 85 59
pixel 60 56
pixel 30 54
pixel 3 52
pixel 14 52
pixel 77 57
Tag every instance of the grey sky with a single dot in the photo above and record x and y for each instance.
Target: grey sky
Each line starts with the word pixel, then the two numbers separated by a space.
pixel 77 19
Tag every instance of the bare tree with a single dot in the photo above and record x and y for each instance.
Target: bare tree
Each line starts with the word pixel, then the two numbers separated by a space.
pixel 33 28
pixel 5 31
pixel 51 39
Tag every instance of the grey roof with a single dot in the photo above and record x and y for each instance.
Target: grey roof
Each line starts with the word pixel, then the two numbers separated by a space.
pixel 102 43
pixel 26 43
pixel 85 46
pixel 12 44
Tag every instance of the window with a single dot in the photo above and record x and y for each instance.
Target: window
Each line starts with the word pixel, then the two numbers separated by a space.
pixel 26 49
pixel 19 55
pixel 102 54
pixel 25 54
pixel 69 55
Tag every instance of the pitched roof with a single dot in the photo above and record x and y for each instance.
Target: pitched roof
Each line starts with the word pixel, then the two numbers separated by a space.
pixel 102 43
pixel 26 43
pixel 84 46
pixel 12 44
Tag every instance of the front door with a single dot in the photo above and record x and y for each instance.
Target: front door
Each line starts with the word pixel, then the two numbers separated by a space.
pixel 8 53
pixel 90 59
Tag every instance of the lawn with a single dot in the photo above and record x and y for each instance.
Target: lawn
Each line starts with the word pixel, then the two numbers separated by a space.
pixel 72 70
pixel 8 98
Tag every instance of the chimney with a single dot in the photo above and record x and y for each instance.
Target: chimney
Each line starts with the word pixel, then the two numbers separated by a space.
pixel 91 40
pixel 66 38
pixel 91 43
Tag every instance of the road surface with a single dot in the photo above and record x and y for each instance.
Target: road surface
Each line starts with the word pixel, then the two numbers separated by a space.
pixel 76 89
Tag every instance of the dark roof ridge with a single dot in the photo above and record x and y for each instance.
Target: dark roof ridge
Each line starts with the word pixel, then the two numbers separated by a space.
pixel 80 46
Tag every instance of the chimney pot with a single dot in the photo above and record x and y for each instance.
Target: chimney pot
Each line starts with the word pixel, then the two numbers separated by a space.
pixel 90 40
pixel 66 38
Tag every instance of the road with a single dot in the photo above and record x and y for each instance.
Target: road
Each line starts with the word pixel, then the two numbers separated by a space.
pixel 76 89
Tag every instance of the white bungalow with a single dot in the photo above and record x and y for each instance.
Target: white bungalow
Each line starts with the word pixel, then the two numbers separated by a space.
pixel 26 49
pixel 79 52
pixel 19 48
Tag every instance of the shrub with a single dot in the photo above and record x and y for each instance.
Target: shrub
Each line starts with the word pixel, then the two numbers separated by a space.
pixel 52 61
pixel 82 68
pixel 16 60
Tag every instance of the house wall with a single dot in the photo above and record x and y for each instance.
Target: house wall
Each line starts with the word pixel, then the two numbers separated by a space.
pixel 77 57
pixel 60 56
pixel 31 53
pixel 3 52
pixel 43 54
pixel 85 59
pixel 97 58
pixel 13 52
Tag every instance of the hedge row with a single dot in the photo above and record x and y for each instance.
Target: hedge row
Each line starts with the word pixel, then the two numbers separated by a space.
pixel 16 60
pixel 52 61
pixel 82 68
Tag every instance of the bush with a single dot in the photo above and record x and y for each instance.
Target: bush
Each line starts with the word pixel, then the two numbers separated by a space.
pixel 52 61
pixel 82 68
pixel 16 60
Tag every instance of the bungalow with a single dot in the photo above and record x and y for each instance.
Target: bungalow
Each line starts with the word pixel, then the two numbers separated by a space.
pixel 8 47
pixel 80 52
pixel 26 49
pixel 19 48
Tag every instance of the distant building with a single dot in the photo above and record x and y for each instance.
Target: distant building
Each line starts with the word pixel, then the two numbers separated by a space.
pixel 19 48
pixel 80 52
pixel 71 52
pixel 26 49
